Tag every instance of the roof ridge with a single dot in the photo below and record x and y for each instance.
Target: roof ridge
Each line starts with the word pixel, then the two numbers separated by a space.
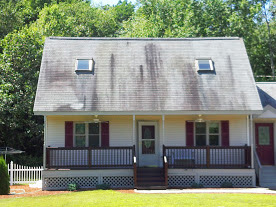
pixel 144 39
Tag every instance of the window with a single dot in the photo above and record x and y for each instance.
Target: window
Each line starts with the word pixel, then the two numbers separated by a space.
pixel 204 65
pixel 207 133
pixel 87 135
pixel 84 65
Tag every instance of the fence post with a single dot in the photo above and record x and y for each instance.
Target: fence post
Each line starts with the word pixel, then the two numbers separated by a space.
pixel 11 173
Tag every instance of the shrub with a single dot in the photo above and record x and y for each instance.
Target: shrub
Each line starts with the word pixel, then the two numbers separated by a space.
pixel 72 187
pixel 226 185
pixel 4 178
pixel 103 186
pixel 197 185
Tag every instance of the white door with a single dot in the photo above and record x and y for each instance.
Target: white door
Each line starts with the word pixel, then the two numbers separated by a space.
pixel 148 144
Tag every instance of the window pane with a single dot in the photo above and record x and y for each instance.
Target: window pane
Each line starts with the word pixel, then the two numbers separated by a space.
pixel 94 141
pixel 214 128
pixel 80 128
pixel 148 147
pixel 264 138
pixel 148 132
pixel 83 64
pixel 80 141
pixel 200 140
pixel 200 128
pixel 94 128
pixel 204 65
pixel 214 140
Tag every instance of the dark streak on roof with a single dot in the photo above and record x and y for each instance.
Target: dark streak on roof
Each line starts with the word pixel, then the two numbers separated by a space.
pixel 267 92
pixel 145 74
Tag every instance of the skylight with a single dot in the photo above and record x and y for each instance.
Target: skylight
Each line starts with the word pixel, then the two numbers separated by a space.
pixel 84 65
pixel 204 65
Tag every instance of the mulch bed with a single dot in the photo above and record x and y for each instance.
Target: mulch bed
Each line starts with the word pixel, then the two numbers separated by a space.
pixel 26 191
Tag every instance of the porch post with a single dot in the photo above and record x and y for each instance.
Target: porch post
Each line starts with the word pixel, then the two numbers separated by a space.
pixel 45 142
pixel 133 130
pixel 248 131
pixel 163 129
pixel 252 141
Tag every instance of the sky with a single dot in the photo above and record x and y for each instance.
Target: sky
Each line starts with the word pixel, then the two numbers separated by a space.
pixel 110 2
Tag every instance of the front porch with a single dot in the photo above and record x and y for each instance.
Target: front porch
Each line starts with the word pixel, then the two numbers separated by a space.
pixel 180 150
pixel 117 167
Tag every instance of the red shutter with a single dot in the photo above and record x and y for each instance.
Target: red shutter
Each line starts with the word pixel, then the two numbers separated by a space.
pixel 105 134
pixel 68 134
pixel 189 133
pixel 225 133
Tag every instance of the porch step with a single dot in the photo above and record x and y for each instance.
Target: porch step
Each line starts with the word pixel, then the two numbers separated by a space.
pixel 163 187
pixel 268 177
pixel 150 178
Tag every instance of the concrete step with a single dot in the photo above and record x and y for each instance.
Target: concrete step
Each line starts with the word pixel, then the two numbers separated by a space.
pixel 161 187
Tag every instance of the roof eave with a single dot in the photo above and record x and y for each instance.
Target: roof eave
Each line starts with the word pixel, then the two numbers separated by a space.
pixel 230 112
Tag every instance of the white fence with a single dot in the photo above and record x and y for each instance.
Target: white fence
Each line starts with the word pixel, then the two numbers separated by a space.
pixel 23 174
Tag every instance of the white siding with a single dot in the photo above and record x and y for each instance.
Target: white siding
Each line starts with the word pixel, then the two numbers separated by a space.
pixel 121 128
pixel 175 128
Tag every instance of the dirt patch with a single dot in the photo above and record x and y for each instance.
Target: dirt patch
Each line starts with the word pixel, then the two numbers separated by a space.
pixel 26 191
pixel 126 191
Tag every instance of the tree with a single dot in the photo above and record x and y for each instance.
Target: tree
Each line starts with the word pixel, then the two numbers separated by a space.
pixel 4 178
pixel 20 63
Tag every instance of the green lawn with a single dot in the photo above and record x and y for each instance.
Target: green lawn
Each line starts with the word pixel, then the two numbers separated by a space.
pixel 114 198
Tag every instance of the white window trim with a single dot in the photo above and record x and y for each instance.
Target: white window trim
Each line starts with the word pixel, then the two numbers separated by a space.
pixel 90 65
pixel 86 133
pixel 207 132
pixel 210 63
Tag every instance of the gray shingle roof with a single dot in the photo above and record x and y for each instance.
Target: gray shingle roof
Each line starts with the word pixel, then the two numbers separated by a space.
pixel 145 75
pixel 267 92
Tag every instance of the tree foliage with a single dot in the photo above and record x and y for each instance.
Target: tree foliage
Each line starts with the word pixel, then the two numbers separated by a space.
pixel 24 25
pixel 4 177
pixel 20 62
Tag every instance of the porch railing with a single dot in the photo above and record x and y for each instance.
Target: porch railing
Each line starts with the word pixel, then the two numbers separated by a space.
pixel 235 157
pixel 88 157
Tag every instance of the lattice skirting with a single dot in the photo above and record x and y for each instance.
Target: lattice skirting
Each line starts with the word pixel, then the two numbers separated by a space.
pixel 119 181
pixel 181 180
pixel 58 183
pixel 216 181
pixel 51 183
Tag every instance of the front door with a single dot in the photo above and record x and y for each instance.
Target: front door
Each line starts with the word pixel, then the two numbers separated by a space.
pixel 148 144
pixel 265 143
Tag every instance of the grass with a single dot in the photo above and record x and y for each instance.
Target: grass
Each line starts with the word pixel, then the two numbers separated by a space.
pixel 114 198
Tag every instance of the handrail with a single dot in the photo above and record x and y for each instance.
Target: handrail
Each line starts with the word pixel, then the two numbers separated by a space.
pixel 90 157
pixel 258 165
pixel 257 159
pixel 215 157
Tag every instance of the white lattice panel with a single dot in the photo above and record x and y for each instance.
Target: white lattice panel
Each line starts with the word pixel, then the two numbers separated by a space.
pixel 216 181
pixel 181 180
pixel 118 181
pixel 62 182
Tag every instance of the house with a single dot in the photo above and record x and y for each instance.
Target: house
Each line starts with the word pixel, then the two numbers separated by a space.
pixel 147 112
pixel 265 136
